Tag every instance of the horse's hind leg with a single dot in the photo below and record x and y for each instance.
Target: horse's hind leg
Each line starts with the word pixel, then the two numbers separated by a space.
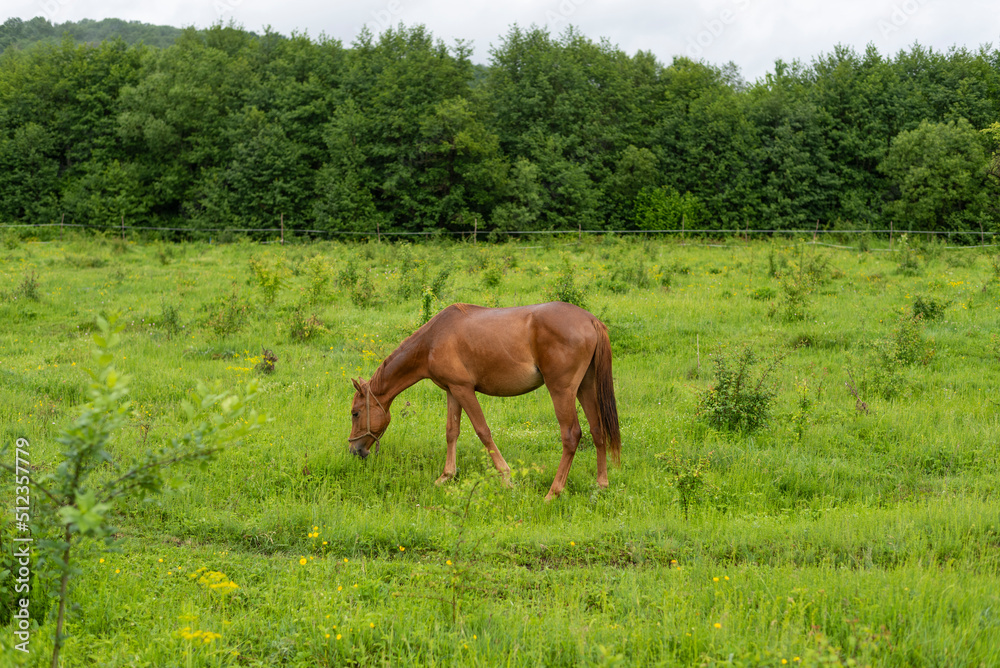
pixel 466 398
pixel 587 394
pixel 570 432
pixel 451 434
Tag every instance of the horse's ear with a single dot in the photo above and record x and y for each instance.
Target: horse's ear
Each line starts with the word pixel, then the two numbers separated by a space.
pixel 357 385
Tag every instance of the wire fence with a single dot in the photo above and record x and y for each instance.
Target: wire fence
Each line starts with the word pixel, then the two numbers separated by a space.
pixel 291 232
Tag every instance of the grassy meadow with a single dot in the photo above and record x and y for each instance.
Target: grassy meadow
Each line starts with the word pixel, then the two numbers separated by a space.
pixel 858 525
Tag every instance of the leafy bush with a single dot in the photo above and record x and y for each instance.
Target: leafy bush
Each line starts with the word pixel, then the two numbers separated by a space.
pixel 794 302
pixel 882 367
pixel 664 208
pixel 79 494
pixel 228 314
pixel 929 308
pixel 304 325
pixel 318 271
pixel 908 343
pixel 686 475
pixel 269 276
pixel 565 288
pixel 169 319
pixel 363 293
pixel 740 399
pixel 27 289
pixel 627 274
pixel 908 264
pixel 493 272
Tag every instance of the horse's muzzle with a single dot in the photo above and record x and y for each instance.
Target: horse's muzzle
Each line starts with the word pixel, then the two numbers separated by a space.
pixel 358 447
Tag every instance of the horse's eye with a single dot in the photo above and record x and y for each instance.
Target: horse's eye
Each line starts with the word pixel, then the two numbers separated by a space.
pixel 355 414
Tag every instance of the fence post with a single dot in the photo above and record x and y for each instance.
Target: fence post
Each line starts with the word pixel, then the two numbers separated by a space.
pixel 123 226
pixel 475 229
pixel 62 220
pixel 282 229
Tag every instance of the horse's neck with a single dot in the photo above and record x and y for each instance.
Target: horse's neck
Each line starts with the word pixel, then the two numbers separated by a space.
pixel 402 368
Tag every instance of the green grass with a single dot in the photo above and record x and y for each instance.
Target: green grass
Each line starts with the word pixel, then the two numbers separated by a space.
pixel 830 536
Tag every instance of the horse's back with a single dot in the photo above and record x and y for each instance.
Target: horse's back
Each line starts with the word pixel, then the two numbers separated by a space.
pixel 560 321
pixel 509 351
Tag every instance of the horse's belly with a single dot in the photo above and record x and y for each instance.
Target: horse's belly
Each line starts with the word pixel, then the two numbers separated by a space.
pixel 509 382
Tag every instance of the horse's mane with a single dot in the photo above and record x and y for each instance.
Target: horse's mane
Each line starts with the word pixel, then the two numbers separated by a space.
pixel 376 380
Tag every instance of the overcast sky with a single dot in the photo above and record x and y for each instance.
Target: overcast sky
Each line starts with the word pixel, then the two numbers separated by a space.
pixel 751 33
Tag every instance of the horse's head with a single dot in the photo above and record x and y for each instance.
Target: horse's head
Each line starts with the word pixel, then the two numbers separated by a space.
pixel 369 420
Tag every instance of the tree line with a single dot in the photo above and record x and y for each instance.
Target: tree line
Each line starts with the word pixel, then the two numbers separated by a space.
pixel 224 128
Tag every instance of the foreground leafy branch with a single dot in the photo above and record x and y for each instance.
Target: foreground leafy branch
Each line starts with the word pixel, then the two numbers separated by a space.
pixel 80 494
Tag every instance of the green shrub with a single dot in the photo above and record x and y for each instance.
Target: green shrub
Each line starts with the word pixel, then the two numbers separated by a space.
pixel 882 367
pixel 348 276
pixel 686 475
pixel 627 274
pixel 169 319
pixel 304 325
pixel 740 399
pixel 228 314
pixel 269 276
pixel 794 301
pixel 565 288
pixel 318 272
pixel 493 273
pixel 26 290
pixel 907 261
pixel 363 293
pixel 929 308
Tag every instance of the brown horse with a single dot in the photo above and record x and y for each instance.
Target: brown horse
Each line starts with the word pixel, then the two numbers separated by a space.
pixel 502 352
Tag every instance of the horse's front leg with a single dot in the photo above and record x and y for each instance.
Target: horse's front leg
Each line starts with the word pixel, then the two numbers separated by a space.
pixel 466 397
pixel 451 434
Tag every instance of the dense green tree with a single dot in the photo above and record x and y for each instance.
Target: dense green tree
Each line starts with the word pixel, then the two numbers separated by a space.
pixel 408 91
pixel 57 110
pixel 571 107
pixel 705 142
pixel 939 173
pixel 29 175
pixel 175 122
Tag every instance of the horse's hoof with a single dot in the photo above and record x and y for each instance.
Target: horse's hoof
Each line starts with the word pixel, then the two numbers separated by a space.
pixel 550 496
pixel 444 478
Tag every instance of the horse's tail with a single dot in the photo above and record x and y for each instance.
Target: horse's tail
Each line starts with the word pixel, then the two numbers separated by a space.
pixel 606 405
